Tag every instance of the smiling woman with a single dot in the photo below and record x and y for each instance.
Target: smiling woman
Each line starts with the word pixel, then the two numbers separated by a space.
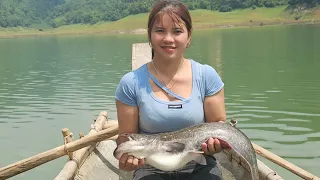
pixel 177 17
pixel 170 93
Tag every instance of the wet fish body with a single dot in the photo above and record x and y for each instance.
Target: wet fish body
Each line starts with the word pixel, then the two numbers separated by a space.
pixel 171 151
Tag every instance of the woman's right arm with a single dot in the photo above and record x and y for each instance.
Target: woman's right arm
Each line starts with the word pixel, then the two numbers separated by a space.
pixel 128 117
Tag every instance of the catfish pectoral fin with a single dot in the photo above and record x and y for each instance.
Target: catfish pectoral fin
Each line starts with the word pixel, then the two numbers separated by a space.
pixel 174 147
pixel 199 157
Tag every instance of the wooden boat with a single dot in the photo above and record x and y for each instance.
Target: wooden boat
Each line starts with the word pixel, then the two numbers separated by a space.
pixel 91 156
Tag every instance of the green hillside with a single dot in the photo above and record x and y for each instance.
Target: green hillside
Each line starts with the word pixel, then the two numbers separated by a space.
pixel 201 19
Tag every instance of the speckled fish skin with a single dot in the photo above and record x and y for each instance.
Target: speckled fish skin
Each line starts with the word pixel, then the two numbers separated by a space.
pixel 191 139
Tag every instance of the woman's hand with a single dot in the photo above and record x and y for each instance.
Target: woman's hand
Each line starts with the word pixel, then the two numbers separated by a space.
pixel 212 146
pixel 126 162
pixel 130 163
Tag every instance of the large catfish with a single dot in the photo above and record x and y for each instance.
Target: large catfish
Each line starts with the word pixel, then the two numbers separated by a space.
pixel 171 151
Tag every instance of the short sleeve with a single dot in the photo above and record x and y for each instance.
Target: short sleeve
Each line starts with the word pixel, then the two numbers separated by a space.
pixel 213 82
pixel 125 91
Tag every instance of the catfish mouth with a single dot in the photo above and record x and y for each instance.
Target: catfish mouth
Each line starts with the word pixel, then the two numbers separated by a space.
pixel 129 146
pixel 116 153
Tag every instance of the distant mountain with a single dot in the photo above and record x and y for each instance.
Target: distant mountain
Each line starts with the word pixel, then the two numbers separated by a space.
pixel 63 12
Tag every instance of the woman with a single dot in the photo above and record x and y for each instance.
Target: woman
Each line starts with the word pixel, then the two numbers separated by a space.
pixel 170 93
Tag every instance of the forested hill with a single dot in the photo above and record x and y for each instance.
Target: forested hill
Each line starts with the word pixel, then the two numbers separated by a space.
pixel 63 12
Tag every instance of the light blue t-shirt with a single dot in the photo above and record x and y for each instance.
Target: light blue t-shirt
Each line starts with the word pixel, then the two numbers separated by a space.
pixel 157 115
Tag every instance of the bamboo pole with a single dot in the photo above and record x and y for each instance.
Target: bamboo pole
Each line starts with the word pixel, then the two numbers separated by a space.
pixel 71 167
pixel 72 163
pixel 34 161
pixel 67 137
pixel 283 163
pixel 110 124
pixel 68 170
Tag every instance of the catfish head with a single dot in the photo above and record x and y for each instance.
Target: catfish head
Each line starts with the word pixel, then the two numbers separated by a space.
pixel 139 145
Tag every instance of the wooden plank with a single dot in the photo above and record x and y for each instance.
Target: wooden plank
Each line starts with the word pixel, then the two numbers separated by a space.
pixel 141 54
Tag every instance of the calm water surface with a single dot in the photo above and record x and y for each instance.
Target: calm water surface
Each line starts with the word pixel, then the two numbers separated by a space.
pixel 271 79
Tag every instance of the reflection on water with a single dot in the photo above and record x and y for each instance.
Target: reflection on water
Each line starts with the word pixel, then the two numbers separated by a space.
pixel 271 88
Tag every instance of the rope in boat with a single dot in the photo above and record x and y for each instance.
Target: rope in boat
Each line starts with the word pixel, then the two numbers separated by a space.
pixel 94 127
pixel 65 142
pixel 66 150
pixel 104 116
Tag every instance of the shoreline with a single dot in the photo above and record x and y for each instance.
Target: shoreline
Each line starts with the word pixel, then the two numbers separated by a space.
pixel 139 31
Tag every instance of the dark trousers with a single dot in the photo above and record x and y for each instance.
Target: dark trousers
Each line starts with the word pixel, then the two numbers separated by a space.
pixel 192 171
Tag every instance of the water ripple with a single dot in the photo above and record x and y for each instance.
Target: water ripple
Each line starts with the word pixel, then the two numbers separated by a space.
pixel 251 100
pixel 22 122
pixel 250 107
pixel 292 120
pixel 251 115
pixel 282 112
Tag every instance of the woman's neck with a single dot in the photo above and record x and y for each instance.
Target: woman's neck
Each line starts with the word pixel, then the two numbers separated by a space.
pixel 168 68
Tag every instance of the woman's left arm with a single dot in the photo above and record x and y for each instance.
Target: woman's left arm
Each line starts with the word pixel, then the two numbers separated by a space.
pixel 214 107
pixel 214 110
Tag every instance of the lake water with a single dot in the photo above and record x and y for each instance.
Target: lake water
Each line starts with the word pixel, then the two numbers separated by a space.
pixel 271 75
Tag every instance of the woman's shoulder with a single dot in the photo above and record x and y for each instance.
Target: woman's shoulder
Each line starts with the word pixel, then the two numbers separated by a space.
pixel 203 68
pixel 210 80
pixel 127 81
pixel 131 76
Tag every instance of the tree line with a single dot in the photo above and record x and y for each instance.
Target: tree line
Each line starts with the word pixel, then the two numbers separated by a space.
pixel 56 13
